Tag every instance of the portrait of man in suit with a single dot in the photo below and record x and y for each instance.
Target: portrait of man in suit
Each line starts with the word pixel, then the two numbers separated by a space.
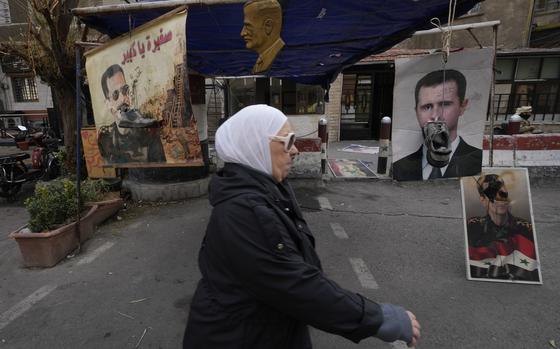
pixel 440 102
pixel 262 24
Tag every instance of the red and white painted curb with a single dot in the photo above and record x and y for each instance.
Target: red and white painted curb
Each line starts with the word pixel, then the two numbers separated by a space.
pixel 524 150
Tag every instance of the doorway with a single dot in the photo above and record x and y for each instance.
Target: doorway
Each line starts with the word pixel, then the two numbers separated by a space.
pixel 367 96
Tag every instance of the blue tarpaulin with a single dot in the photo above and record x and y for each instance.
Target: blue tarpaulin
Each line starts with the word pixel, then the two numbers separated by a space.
pixel 322 36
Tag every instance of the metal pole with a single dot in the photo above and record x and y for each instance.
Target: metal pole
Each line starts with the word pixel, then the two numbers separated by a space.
pixel 323 134
pixel 78 143
pixel 384 143
pixel 492 96
pixel 457 27
pixel 149 5
pixel 227 107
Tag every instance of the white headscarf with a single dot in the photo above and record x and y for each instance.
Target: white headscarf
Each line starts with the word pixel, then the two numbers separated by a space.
pixel 244 138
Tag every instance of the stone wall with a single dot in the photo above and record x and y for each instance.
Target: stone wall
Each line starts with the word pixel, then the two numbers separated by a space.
pixel 512 33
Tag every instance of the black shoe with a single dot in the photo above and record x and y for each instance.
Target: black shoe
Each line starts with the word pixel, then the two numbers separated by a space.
pixel 131 118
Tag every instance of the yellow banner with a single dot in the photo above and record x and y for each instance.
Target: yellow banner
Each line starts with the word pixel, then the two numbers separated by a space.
pixel 94 161
pixel 137 85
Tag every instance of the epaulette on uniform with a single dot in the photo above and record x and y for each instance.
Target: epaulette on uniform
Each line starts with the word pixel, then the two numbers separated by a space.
pixel 474 220
pixel 523 223
pixel 104 129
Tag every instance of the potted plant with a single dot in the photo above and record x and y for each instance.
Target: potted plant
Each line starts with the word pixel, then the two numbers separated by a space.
pixel 51 234
pixel 23 145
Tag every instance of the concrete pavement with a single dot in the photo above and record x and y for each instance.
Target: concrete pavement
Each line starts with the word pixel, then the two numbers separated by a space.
pixel 392 242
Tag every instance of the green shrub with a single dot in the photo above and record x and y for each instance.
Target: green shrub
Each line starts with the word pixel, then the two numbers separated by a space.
pixel 60 156
pixel 92 190
pixel 54 202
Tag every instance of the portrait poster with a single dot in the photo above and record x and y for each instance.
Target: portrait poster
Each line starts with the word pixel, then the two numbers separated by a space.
pixel 95 165
pixel 500 237
pixel 464 114
pixel 140 97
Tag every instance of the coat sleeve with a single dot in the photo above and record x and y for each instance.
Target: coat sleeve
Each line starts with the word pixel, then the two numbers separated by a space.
pixel 261 254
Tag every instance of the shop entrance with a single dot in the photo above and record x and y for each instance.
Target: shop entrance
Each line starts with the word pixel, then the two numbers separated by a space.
pixel 367 96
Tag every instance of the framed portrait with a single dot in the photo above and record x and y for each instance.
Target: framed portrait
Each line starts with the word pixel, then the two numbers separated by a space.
pixel 500 237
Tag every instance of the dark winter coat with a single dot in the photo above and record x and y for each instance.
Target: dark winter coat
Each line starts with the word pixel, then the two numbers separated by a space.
pixel 262 282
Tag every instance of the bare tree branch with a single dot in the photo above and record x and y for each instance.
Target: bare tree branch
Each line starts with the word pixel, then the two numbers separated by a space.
pixel 47 47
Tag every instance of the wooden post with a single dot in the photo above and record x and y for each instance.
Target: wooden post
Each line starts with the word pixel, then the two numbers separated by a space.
pixel 492 96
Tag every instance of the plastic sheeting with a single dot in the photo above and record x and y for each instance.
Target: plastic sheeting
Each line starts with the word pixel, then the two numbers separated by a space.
pixel 322 36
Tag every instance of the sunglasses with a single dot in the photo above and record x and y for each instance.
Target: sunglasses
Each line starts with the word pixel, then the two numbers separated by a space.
pixel 288 140
pixel 124 90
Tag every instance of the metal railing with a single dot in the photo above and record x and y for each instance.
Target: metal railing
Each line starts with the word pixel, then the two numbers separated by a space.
pixel 546 106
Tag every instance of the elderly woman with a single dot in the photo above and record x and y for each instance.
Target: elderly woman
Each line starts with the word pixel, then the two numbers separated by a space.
pixel 262 281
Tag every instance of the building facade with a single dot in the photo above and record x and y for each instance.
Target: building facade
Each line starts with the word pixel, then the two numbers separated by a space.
pixel 24 99
pixel 527 68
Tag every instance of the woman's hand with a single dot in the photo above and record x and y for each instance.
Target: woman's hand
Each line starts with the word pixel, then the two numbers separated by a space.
pixel 415 329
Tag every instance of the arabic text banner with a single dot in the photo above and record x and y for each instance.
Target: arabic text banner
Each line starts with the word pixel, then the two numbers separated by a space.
pixel 137 84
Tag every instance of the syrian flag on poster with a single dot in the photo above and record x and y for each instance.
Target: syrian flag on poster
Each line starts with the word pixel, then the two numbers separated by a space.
pixel 515 255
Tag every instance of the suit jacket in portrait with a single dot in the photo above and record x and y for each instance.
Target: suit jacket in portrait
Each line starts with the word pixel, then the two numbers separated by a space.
pixel 466 161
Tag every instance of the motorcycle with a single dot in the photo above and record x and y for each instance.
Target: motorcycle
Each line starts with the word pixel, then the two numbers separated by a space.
pixel 44 165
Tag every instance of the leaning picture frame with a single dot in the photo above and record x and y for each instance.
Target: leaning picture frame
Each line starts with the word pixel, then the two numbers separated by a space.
pixel 499 228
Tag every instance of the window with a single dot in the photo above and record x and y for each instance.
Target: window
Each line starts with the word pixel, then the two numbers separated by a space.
pixel 242 92
pixel 474 10
pixel 543 97
pixel 505 69
pixel 296 99
pixel 25 89
pixel 547 5
pixel 276 93
pixel 363 97
pixel 5 17
pixel 356 98
pixel 347 107
pixel 286 95
pixel 534 68
pixel 546 96
pixel 551 68
pixel 309 99
pixel 528 68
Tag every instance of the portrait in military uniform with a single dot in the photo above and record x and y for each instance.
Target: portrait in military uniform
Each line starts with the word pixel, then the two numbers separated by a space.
pixel 131 137
pixel 501 243
pixel 262 25
pixel 140 96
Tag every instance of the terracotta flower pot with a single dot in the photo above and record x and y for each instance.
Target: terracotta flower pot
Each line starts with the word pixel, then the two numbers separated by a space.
pixel 47 248
pixel 23 145
pixel 100 211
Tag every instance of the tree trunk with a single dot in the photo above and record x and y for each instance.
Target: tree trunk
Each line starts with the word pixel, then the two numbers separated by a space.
pixel 65 100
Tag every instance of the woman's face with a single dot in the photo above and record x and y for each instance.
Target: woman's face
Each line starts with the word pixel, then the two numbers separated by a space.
pixel 281 159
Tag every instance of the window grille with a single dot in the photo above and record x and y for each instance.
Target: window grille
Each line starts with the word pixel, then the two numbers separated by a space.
pixel 547 5
pixel 5 17
pixel 25 89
